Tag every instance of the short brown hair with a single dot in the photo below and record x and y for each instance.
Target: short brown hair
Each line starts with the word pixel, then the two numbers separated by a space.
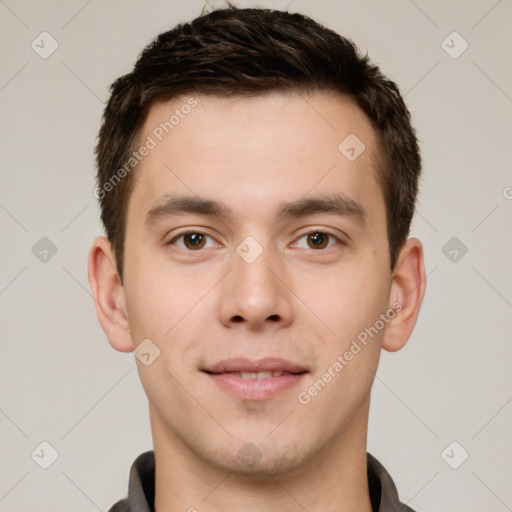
pixel 247 52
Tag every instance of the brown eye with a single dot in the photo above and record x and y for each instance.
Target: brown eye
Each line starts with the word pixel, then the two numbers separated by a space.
pixel 317 240
pixel 194 241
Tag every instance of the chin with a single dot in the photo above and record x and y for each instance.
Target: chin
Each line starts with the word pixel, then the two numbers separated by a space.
pixel 259 458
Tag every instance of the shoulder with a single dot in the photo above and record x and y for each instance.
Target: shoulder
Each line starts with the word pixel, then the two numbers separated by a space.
pixel 383 491
pixel 121 506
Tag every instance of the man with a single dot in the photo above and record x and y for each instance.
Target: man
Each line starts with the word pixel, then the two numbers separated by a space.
pixel 257 179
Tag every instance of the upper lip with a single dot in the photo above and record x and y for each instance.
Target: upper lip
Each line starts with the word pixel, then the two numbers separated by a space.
pixel 267 364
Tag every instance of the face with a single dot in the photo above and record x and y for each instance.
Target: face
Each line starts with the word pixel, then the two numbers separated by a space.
pixel 277 261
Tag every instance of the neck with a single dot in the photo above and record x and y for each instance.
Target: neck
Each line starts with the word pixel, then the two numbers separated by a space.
pixel 332 480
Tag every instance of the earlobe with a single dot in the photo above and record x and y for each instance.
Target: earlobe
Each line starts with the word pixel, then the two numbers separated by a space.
pixel 108 294
pixel 407 291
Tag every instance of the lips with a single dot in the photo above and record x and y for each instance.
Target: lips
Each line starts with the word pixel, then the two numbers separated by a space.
pixel 269 364
pixel 255 380
pixel 258 375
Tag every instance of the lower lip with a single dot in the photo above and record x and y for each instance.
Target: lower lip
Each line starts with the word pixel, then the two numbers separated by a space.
pixel 254 389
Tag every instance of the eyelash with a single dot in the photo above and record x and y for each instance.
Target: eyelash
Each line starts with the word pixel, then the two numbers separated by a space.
pixel 314 231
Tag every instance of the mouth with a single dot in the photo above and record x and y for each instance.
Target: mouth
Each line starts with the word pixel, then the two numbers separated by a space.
pixel 255 375
pixel 255 380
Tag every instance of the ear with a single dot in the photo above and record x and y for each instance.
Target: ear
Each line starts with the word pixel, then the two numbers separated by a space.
pixel 108 294
pixel 406 295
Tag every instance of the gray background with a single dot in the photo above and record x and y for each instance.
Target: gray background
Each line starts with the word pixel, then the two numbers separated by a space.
pixel 62 383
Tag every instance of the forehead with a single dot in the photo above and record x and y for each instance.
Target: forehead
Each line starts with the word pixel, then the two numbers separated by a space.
pixel 292 115
pixel 273 146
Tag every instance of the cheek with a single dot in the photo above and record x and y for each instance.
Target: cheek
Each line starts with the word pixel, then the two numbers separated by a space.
pixel 347 301
pixel 171 310
pixel 158 293
pixel 154 306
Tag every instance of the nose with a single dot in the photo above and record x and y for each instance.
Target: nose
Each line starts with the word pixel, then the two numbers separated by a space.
pixel 255 294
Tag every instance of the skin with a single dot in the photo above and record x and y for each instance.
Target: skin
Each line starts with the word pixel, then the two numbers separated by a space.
pixel 295 301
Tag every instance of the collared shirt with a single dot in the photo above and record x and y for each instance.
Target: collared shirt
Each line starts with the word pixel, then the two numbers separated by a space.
pixel 141 487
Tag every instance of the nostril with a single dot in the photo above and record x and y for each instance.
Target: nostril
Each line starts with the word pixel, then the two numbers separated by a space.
pixel 238 319
pixel 274 318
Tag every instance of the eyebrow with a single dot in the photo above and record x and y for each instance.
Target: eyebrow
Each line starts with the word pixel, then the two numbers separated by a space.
pixel 336 204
